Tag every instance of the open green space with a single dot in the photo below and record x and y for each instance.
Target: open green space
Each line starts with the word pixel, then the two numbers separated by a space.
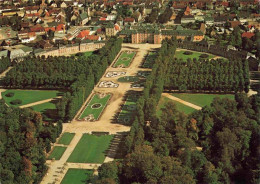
pixel 57 152
pixel 28 96
pixel 48 110
pixel 180 107
pixel 201 99
pixel 77 176
pixel 125 59
pixel 66 138
pixel 128 79
pixel 149 60
pixel 91 149
pixel 95 106
pixel 181 55
pixel 128 109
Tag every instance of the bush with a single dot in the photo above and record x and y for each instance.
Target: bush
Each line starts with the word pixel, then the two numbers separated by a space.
pixel 187 53
pixel 16 102
pixel 10 94
pixel 204 56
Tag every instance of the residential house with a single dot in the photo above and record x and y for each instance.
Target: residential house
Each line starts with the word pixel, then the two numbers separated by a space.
pixel 247 35
pixel 129 21
pixel 82 19
pixel 45 44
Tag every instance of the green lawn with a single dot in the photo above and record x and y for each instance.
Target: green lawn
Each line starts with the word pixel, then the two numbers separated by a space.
pixel 149 60
pixel 48 110
pixel 57 152
pixel 90 149
pixel 95 111
pixel 180 107
pixel 77 176
pixel 29 96
pixel 66 138
pixel 180 54
pixel 125 59
pixel 88 53
pixel 128 79
pixel 200 99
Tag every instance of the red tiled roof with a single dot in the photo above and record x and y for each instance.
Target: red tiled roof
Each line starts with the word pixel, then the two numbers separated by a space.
pixel 235 23
pixel 83 34
pixel 92 37
pixel 248 35
pixel 60 27
pixel 129 19
pixel 117 28
pixel 103 19
pixel 36 29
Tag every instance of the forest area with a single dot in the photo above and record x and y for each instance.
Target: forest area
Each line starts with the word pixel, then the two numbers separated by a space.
pixel 218 144
pixel 76 74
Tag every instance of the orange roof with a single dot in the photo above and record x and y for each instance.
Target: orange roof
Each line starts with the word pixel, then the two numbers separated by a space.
pixel 117 28
pixel 92 37
pixel 248 35
pixel 83 34
pixel 103 18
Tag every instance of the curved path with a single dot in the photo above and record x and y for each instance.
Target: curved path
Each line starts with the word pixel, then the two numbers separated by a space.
pixel 182 101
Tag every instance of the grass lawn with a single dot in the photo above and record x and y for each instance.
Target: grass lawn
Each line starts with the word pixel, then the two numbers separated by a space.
pixel 29 96
pixel 89 53
pixel 95 111
pixel 200 99
pixel 66 138
pixel 125 59
pixel 90 149
pixel 48 110
pixel 77 176
pixel 57 152
pixel 128 79
pixel 180 107
pixel 149 60
pixel 180 54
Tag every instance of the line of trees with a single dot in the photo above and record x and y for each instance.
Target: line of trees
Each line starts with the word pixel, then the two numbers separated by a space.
pixel 218 144
pixel 218 75
pixel 24 138
pixel 79 74
pixel 4 63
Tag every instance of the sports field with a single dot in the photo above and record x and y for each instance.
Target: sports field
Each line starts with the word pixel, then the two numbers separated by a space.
pixel 200 99
pixel 28 96
pixel 95 106
pixel 180 107
pixel 48 110
pixel 66 138
pixel 77 176
pixel 149 60
pixel 181 55
pixel 90 149
pixel 125 59
pixel 129 107
pixel 57 152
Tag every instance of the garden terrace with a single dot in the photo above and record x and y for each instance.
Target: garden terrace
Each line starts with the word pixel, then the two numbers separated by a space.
pixel 125 59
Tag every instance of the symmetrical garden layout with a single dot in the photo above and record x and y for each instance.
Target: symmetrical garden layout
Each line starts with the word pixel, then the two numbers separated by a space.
pixel 95 107
pixel 125 59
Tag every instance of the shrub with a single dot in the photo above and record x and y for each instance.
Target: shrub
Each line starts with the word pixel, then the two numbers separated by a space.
pixel 10 94
pixel 187 53
pixel 16 102
pixel 204 56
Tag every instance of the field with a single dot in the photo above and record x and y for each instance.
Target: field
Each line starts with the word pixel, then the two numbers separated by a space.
pixel 129 107
pixel 77 176
pixel 181 55
pixel 149 60
pixel 125 59
pixel 180 107
pixel 90 149
pixel 57 152
pixel 66 138
pixel 95 106
pixel 200 99
pixel 48 110
pixel 29 96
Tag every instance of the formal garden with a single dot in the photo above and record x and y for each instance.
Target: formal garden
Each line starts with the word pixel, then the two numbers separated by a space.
pixel 57 152
pixel 18 98
pixel 192 54
pixel 66 138
pixel 128 79
pixel 95 107
pixel 125 59
pixel 77 176
pixel 94 148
